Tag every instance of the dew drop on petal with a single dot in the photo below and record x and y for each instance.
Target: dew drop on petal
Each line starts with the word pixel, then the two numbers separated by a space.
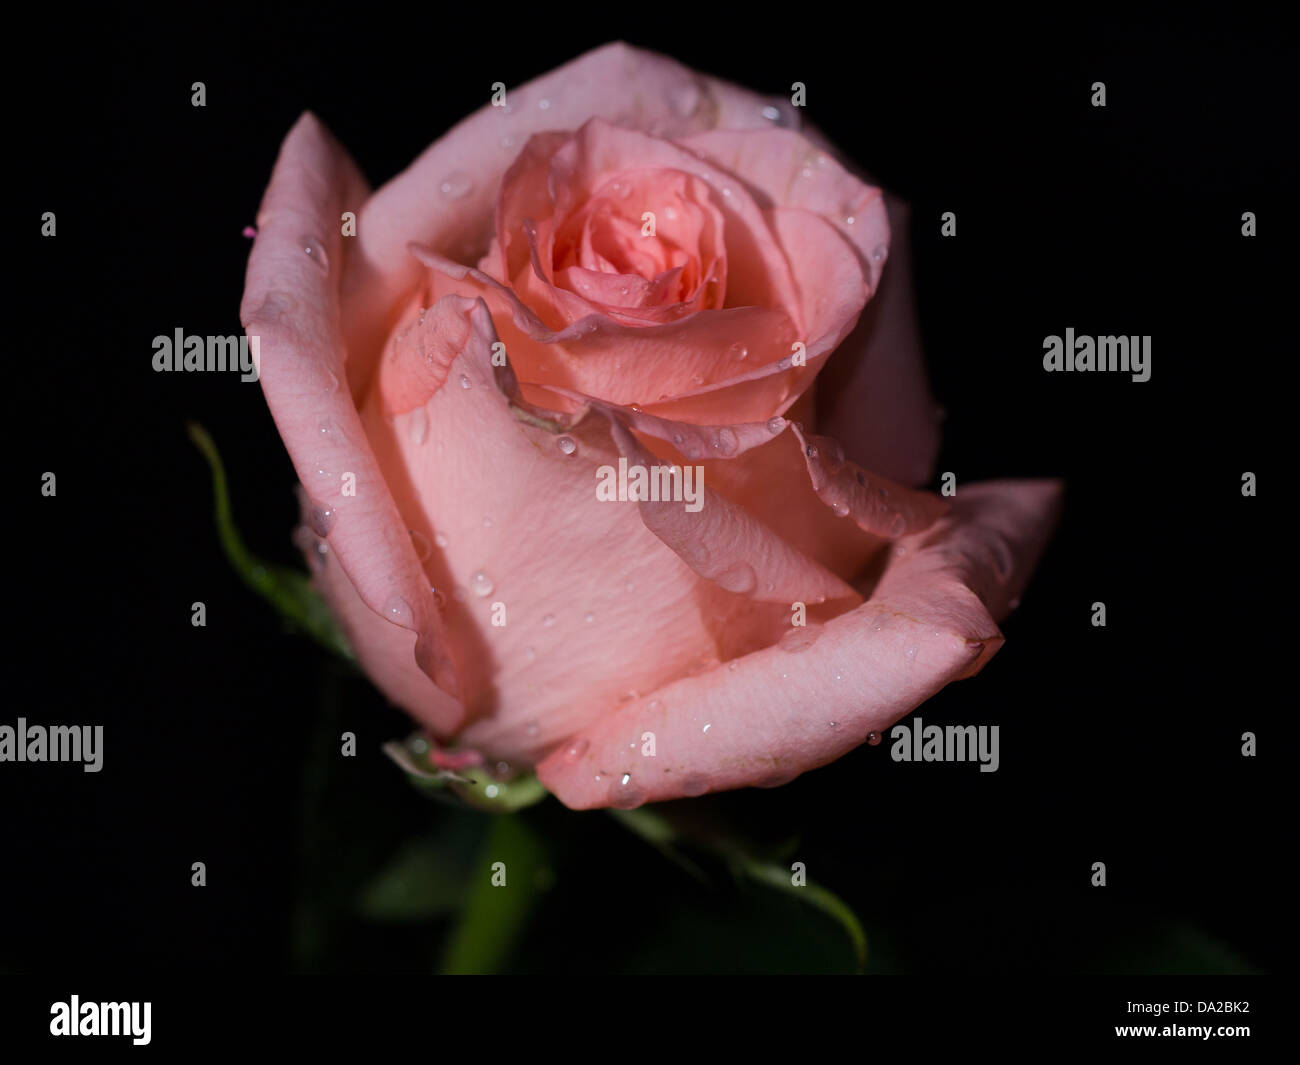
pixel 575 751
pixel 567 445
pixel 421 544
pixel 440 539
pixel 315 252
pixel 418 427
pixel 482 584
pixel 873 738
pixel 799 638
pixel 399 610
pixel 739 578
pixel 548 620
pixel 321 519
pixel 465 382
pixel 456 185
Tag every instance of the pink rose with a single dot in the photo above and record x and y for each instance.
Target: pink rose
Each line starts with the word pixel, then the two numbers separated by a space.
pixel 668 268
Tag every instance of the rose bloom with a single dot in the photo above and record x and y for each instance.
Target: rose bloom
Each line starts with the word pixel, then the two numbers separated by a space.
pixel 629 260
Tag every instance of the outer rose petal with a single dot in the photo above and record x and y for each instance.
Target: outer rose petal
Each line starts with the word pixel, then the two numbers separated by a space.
pixel 874 396
pixel 513 519
pixel 291 303
pixel 809 700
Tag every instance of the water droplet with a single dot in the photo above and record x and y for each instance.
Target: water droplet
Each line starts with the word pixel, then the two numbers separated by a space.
pixel 725 442
pixel 315 252
pixel 799 638
pixel 849 220
pixel 811 451
pixel 878 253
pixel 694 785
pixel 567 445
pixel 911 653
pixel 839 508
pixel 439 599
pixel 897 526
pixel 706 728
pixel 398 610
pixel 588 618
pixel 624 795
pixel 770 113
pixel 491 791
pixel 465 382
pixel 532 728
pixel 785 363
pixel 548 620
pixel 418 427
pixel 482 584
pixel 321 519
pixel 776 424
pixel 739 578
pixel 440 539
pixel 873 738
pixel 739 351
pixel 456 185
pixel 544 104
pixel 1013 604
pixel 575 751
pixel 834 724
pixel 686 99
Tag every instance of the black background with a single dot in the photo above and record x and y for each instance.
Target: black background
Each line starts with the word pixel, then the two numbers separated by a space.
pixel 1119 744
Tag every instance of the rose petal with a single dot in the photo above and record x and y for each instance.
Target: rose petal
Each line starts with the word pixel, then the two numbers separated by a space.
pixel 796 706
pixel 511 517
pixel 877 505
pixel 291 303
pixel 875 394
pixel 724 544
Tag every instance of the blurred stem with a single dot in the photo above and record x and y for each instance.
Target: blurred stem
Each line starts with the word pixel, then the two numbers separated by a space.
pixel 494 914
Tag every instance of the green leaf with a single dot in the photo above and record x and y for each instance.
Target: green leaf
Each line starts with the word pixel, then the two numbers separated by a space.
pixel 417 885
pixel 289 591
pixel 738 854
pixel 778 877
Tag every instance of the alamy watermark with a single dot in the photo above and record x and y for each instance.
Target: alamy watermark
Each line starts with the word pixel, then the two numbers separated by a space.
pixel 1131 355
pixel 915 742
pixel 57 743
pixel 212 354
pixel 651 484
